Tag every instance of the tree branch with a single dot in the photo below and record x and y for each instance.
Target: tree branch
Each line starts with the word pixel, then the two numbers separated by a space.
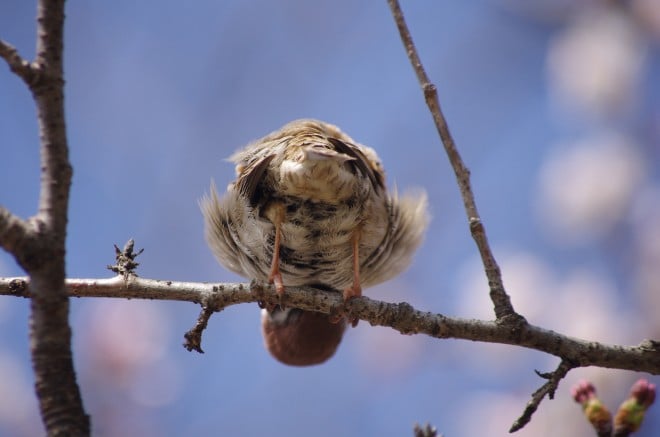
pixel 194 336
pixel 39 243
pixel 402 317
pixel 548 389
pixel 17 64
pixel 13 231
pixel 573 352
pixel 503 308
pixel 504 311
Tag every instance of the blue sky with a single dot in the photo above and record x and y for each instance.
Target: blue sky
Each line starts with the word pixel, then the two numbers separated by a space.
pixel 157 96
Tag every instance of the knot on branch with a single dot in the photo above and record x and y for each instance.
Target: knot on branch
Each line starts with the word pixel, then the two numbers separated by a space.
pixel 18 287
pixel 125 260
pixel 405 317
pixel 259 290
pixel 475 225
pixel 41 80
pixel 514 321
pixel 650 345
pixel 430 91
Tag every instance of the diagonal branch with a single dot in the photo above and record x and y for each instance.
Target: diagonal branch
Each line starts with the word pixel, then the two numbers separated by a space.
pixel 503 309
pixel 548 389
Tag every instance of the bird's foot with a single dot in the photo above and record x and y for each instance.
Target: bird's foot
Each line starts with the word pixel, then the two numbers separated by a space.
pixel 349 293
pixel 275 278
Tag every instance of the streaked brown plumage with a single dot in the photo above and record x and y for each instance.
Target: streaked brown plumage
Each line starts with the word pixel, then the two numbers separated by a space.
pixel 310 207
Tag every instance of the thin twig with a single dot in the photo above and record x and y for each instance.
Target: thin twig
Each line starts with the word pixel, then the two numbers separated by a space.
pixel 504 311
pixel 402 317
pixel 548 389
pixel 194 336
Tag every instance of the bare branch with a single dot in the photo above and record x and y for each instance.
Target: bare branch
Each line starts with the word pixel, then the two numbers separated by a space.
pixel 548 389
pixel 39 244
pixel 56 169
pixel 17 64
pixel 13 231
pixel 400 316
pixel 194 336
pixel 503 309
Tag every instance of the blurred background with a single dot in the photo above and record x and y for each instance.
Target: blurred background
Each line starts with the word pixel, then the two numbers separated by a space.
pixel 555 106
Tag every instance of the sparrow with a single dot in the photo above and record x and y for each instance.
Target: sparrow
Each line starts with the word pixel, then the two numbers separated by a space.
pixel 309 207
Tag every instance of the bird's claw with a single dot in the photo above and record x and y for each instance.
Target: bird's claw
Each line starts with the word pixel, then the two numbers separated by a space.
pixel 276 279
pixel 340 313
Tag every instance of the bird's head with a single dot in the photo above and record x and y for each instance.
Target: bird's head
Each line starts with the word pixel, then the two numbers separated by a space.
pixel 300 338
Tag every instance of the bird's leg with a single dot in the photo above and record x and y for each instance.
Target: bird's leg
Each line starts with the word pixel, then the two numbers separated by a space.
pixel 355 290
pixel 276 215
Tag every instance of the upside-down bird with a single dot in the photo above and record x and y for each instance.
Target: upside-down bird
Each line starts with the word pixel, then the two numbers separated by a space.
pixel 309 207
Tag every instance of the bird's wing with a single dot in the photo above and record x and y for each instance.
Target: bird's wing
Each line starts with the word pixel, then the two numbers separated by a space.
pixel 250 177
pixel 360 161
